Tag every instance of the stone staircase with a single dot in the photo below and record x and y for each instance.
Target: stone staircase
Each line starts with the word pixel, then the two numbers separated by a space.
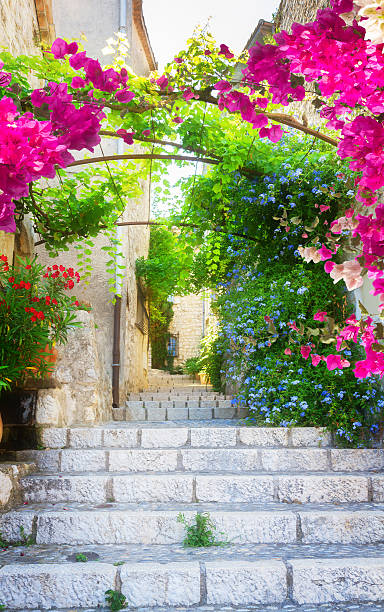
pixel 304 520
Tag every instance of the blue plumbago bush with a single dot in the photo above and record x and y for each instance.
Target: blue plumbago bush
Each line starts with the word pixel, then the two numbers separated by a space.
pixel 286 390
pixel 264 286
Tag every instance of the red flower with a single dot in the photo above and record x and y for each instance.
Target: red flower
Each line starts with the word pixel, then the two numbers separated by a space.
pixel 70 284
pixel 11 279
pixel 55 267
pixel 54 301
pixel 28 267
pixel 4 258
pixel 47 299
pixel 62 268
pixel 35 299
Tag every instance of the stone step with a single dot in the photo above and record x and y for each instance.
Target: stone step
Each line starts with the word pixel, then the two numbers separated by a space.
pixel 194 434
pixel 233 460
pixel 153 524
pixel 182 487
pixel 49 578
pixel 176 409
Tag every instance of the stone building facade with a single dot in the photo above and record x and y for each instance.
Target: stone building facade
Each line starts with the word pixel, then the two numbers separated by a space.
pixel 84 371
pixel 191 321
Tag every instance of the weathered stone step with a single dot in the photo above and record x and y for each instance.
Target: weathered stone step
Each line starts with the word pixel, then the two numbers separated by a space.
pixel 166 410
pixel 169 576
pixel 182 487
pixel 194 434
pixel 234 460
pixel 129 524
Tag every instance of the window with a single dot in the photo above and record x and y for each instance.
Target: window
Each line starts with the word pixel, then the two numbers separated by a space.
pixel 173 345
pixel 142 317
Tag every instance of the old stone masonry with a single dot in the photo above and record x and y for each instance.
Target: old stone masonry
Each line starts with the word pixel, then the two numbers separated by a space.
pixel 304 521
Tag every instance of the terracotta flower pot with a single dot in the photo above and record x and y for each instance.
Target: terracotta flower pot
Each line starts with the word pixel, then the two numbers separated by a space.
pixel 50 359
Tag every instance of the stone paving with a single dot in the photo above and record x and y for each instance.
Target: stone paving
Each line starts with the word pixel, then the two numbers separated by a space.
pixel 302 522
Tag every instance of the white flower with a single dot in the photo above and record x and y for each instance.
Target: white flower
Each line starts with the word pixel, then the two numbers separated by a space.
pixel 373 11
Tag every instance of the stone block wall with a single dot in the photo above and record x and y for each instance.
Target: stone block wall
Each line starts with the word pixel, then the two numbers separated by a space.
pixel 98 20
pixel 192 315
pixel 10 489
pixel 300 11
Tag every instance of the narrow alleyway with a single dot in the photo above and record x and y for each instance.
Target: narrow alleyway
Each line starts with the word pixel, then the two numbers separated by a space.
pixel 303 522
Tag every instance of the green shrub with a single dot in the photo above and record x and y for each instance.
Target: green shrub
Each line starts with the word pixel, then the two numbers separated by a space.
pixel 192 366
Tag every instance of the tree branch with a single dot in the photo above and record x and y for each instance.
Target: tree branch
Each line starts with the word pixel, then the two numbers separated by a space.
pixel 166 143
pixel 94 160
pixel 133 223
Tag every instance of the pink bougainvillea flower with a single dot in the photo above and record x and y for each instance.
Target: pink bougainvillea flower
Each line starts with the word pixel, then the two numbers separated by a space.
pixel 60 48
pixel 162 82
pixel 124 95
pixel 320 315
pixel 336 362
pixel 78 82
pixel 207 52
pixel 309 254
pixel 223 86
pixel 177 119
pixel 78 60
pixel 328 266
pixel 325 253
pixel 287 351
pixel 226 52
pixel 7 219
pixel 274 133
pixel 350 272
pixel 146 133
pixel 178 60
pixel 305 351
pixel 316 359
pixel 323 208
pixel 188 94
pixel 126 136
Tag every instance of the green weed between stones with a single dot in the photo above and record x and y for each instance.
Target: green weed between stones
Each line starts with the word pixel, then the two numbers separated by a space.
pixel 81 557
pixel 25 540
pixel 200 531
pixel 115 600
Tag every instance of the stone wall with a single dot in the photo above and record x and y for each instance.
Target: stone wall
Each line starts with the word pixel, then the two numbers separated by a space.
pixel 10 489
pixel 300 11
pixel 192 316
pixel 80 391
pixel 98 20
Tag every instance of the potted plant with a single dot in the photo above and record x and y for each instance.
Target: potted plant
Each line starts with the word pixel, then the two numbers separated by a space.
pixel 36 312
pixel 192 367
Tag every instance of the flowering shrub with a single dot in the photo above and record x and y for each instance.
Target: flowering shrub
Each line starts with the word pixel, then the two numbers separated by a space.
pixel 36 312
pixel 271 305
pixel 70 112
pixel 279 386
